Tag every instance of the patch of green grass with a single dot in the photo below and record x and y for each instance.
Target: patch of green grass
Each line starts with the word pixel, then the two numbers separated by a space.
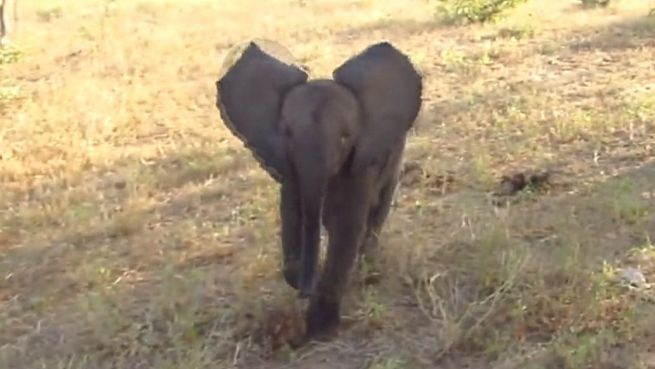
pixel 49 13
pixel 504 292
pixel 517 31
pixel 387 363
pixel 74 362
pixel 481 166
pixel 595 3
pixel 581 351
pixel 462 301
pixel 624 200
pixel 105 314
pixel 131 219
pixel 375 308
pixel 196 166
pixel 456 61
pixel 172 317
pixel 8 94
pixel 70 208
pixel 9 54
pixel 639 112
pixel 473 11
pixel 645 251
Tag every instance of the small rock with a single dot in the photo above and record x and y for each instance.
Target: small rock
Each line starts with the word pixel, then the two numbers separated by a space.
pixel 633 277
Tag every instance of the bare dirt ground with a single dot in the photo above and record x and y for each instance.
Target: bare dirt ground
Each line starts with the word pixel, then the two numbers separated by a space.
pixel 136 232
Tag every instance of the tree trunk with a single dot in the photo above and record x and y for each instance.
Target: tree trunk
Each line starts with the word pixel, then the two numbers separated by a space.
pixel 3 27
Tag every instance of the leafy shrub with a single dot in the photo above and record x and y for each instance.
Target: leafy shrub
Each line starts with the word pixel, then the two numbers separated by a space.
pixel 8 94
pixel 594 3
pixel 8 55
pixel 50 14
pixel 474 11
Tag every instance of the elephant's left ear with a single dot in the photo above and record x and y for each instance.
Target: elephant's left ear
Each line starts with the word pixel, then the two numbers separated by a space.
pixel 250 93
pixel 388 88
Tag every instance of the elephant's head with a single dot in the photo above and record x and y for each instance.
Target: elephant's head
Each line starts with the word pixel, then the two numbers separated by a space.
pixel 304 133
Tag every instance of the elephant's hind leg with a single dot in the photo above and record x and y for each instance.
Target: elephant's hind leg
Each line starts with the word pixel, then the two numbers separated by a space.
pixel 379 213
pixel 376 219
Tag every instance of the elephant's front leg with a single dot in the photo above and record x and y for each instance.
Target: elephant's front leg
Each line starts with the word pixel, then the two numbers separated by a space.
pixel 290 233
pixel 346 212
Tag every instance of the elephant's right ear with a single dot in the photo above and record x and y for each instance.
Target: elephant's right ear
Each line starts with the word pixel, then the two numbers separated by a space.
pixel 249 98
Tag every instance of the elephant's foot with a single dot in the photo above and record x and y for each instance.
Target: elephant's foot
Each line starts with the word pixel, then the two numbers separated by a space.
pixel 322 320
pixel 370 255
pixel 292 277
pixel 369 262
pixel 370 248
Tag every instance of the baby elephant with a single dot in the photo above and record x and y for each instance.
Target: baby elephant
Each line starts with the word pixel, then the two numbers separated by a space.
pixel 334 146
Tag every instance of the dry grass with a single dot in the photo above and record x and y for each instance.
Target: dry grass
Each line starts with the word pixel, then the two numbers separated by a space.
pixel 136 232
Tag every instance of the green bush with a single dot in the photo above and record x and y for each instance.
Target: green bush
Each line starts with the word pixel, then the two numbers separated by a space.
pixel 594 3
pixel 9 54
pixel 8 94
pixel 474 11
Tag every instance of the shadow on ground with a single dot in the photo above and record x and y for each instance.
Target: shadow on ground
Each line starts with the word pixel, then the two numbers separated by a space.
pixel 628 34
